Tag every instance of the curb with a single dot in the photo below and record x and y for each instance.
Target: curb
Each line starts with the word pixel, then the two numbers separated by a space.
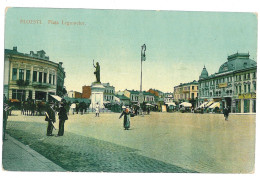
pixel 53 167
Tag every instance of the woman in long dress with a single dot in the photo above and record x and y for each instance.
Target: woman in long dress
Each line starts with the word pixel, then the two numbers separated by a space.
pixel 126 115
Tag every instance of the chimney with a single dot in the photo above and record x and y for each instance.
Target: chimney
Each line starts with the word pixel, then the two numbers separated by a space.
pixel 15 48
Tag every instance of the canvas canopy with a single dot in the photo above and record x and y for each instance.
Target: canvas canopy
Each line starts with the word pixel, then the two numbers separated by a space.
pixel 56 97
pixel 185 104
pixel 171 104
pixel 203 104
pixel 209 103
pixel 73 105
pixel 214 105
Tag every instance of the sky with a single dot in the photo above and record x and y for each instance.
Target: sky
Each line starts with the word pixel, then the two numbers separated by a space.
pixel 178 43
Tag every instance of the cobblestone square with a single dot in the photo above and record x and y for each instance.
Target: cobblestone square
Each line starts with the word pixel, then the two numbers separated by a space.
pixel 159 142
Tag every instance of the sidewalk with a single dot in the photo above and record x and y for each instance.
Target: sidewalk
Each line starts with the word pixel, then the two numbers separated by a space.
pixel 19 157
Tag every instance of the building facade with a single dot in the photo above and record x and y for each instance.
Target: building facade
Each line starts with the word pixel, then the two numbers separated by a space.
pixel 74 94
pixel 149 97
pixel 168 98
pixel 186 92
pixel 109 93
pixel 233 86
pixel 32 76
pixel 86 91
pixel 133 95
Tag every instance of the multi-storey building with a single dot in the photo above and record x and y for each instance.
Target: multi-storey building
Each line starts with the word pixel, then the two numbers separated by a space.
pixel 109 92
pixel 31 76
pixel 148 97
pixel 186 91
pixel 133 95
pixel 233 86
pixel 168 97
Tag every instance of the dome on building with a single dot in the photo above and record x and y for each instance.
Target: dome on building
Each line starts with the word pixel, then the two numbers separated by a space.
pixel 204 73
pixel 237 61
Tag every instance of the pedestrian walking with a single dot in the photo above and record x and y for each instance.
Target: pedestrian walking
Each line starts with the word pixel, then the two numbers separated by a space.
pixel 126 115
pixel 62 118
pixel 226 113
pixel 50 118
pixel 5 116
pixel 97 110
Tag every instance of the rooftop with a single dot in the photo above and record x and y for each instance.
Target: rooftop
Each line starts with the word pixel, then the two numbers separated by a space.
pixel 39 54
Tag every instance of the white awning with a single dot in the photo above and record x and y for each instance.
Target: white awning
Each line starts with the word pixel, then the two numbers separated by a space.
pixel 171 104
pixel 185 104
pixel 73 105
pixel 148 104
pixel 203 104
pixel 214 105
pixel 209 103
pixel 56 97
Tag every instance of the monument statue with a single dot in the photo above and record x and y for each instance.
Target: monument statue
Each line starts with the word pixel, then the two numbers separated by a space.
pixel 97 72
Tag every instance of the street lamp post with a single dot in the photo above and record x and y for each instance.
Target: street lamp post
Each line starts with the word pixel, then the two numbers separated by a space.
pixel 143 58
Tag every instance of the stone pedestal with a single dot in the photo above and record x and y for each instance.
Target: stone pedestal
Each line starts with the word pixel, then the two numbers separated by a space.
pixel 97 95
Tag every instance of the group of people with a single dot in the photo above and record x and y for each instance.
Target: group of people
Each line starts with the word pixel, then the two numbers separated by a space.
pixel 50 118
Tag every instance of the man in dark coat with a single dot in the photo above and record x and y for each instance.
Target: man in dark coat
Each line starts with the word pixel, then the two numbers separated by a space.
pixel 62 118
pixel 50 117
pixel 226 113
pixel 5 116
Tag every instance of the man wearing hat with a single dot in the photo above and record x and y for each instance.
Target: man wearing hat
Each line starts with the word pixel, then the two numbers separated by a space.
pixel 62 118
pixel 50 118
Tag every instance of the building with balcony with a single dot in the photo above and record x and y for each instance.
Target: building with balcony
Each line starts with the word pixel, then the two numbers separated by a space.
pixel 109 93
pixel 186 92
pixel 233 86
pixel 31 76
pixel 168 98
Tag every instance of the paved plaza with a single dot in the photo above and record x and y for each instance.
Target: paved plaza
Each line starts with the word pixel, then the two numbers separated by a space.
pixel 159 142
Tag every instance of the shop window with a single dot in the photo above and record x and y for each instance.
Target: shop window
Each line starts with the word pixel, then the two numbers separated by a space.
pixel 254 106
pixel 248 88
pixel 18 94
pixel 14 75
pixel 246 105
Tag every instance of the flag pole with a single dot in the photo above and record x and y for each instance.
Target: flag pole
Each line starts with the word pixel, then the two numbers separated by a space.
pixel 141 71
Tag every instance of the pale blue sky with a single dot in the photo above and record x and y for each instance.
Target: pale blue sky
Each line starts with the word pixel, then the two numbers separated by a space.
pixel 178 44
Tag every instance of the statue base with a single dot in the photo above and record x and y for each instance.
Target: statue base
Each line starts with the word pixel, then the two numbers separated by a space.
pixel 97 95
